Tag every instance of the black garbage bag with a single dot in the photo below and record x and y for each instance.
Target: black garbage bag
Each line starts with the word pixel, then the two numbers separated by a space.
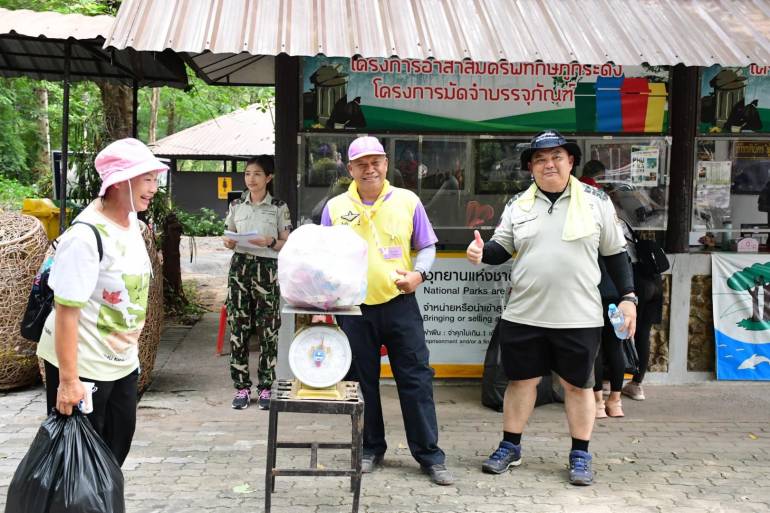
pixel 494 380
pixel 68 469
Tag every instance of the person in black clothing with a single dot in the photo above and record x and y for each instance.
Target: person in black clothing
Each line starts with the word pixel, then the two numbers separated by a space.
pixel 609 360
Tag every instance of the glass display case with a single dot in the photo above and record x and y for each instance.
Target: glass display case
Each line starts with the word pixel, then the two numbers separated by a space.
pixel 731 198
pixel 464 182
pixel 635 177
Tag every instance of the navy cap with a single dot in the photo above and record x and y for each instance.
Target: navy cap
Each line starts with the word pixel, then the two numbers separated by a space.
pixel 549 139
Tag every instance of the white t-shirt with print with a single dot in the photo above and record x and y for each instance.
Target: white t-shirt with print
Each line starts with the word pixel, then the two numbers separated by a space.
pixel 111 294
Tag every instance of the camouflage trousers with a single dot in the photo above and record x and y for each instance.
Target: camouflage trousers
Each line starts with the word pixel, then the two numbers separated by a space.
pixel 253 302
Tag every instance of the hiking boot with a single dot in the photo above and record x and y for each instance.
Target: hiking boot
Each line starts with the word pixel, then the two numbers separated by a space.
pixel 242 399
pixel 580 473
pixel 439 474
pixel 633 390
pixel 506 455
pixel 369 462
pixel 264 399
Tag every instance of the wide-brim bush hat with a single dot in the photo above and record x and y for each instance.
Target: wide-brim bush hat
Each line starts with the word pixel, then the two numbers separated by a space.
pixel 123 160
pixel 363 147
pixel 549 139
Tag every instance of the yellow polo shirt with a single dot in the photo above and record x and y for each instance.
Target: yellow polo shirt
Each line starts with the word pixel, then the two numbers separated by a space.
pixel 388 226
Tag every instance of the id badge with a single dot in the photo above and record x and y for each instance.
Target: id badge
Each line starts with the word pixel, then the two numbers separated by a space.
pixel 391 252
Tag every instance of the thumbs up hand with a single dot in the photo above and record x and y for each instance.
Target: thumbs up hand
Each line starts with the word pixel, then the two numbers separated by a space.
pixel 475 249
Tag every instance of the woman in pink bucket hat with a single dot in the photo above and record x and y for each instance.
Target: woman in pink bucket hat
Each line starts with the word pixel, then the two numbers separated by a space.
pixel 101 277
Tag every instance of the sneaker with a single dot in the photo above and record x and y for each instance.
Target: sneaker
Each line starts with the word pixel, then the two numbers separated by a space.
pixel 369 462
pixel 506 455
pixel 264 399
pixel 633 390
pixel 242 399
pixel 439 474
pixel 580 473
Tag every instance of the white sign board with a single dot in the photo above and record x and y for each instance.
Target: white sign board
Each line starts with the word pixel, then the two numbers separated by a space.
pixel 460 304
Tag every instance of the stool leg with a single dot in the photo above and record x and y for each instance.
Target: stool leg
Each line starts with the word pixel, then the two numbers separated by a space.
pixel 272 441
pixel 356 454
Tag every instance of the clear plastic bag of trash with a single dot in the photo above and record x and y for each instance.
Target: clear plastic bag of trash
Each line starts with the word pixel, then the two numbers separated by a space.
pixel 323 267
pixel 67 469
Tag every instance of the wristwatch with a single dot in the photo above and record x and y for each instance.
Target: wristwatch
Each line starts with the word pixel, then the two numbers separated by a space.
pixel 272 244
pixel 630 299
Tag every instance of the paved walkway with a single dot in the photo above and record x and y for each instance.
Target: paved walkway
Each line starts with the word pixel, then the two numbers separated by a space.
pixel 701 448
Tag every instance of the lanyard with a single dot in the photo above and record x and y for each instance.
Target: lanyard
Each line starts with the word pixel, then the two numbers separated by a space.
pixel 368 212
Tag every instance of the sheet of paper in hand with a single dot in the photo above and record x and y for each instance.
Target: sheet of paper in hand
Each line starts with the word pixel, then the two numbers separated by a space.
pixel 243 239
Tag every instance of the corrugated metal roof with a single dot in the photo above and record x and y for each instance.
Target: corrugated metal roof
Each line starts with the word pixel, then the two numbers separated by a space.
pixel 53 25
pixel 242 133
pixel 658 32
pixel 233 68
pixel 32 44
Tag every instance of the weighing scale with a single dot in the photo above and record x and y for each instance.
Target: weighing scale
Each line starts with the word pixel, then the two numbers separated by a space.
pixel 320 357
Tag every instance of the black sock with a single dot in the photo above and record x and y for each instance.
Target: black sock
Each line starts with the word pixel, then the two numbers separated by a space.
pixel 514 438
pixel 580 445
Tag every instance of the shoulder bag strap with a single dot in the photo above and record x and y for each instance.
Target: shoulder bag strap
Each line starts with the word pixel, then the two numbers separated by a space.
pixel 99 247
pixel 634 237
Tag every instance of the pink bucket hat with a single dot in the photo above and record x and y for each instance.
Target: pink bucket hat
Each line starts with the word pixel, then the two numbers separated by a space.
pixel 123 160
pixel 364 146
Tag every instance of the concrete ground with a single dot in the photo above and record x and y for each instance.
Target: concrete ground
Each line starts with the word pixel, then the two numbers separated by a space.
pixel 698 448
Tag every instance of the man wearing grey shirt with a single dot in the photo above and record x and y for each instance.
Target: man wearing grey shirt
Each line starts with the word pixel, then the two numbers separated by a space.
pixel 557 228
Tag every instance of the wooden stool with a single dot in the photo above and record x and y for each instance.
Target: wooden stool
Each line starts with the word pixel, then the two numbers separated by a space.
pixel 353 405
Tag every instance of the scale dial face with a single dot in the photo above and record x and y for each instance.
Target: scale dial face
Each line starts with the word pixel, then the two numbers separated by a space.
pixel 320 356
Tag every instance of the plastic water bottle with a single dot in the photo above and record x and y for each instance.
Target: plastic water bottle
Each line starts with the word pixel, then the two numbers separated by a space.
pixel 86 405
pixel 616 319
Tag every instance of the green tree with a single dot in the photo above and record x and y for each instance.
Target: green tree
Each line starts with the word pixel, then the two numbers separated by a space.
pixel 750 279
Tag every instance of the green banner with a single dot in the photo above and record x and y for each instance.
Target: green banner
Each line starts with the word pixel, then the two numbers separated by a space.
pixel 466 96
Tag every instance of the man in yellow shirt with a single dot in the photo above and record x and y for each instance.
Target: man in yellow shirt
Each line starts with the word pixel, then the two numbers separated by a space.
pixel 393 222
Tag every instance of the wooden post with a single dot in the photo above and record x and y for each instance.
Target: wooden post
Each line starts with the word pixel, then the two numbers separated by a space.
pixel 65 128
pixel 286 130
pixel 683 113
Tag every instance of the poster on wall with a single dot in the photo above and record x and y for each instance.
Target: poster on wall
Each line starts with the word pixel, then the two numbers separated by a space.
pixel 460 304
pixel 741 296
pixel 644 166
pixel 735 100
pixel 466 96
pixel 714 172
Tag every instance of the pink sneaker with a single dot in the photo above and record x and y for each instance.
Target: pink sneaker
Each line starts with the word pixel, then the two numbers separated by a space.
pixel 264 399
pixel 242 399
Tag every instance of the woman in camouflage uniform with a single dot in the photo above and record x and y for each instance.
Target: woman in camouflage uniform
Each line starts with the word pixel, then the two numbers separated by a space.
pixel 253 296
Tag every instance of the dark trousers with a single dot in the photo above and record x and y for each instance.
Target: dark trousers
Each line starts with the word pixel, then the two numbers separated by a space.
pixel 397 325
pixel 650 311
pixel 114 415
pixel 609 360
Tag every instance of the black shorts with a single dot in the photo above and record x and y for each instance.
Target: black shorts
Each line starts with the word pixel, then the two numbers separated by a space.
pixel 531 351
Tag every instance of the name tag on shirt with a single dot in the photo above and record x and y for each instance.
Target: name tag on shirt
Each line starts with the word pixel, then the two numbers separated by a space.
pixel 391 252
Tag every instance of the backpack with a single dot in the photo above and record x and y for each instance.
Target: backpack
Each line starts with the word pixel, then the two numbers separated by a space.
pixel 652 258
pixel 40 302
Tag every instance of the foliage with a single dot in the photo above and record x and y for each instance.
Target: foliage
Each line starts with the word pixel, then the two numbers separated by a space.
pixel 87 7
pixel 12 193
pixel 187 309
pixel 205 223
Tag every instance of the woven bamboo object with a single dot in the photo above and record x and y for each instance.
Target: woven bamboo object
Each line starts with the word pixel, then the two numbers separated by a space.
pixel 149 340
pixel 23 245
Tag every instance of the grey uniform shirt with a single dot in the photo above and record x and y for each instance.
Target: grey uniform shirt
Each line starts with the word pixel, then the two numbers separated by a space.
pixel 554 283
pixel 268 218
